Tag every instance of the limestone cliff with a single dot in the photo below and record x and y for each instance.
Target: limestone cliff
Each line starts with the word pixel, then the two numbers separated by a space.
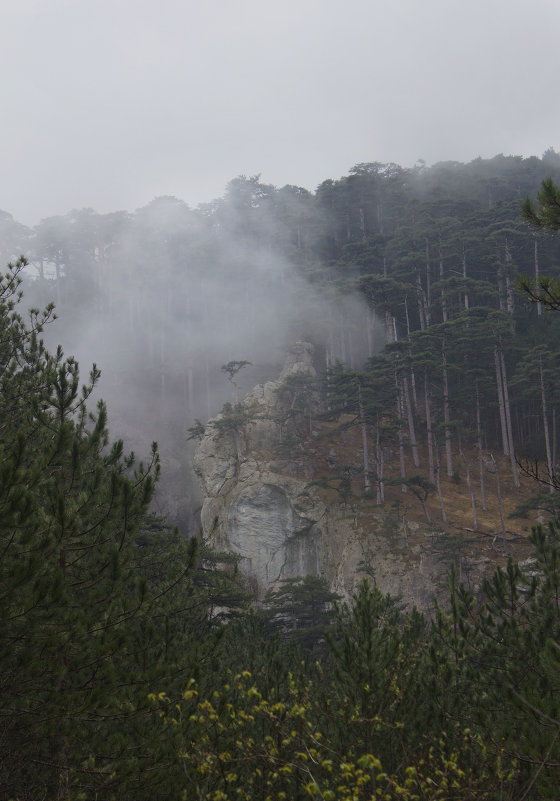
pixel 260 502
pixel 270 518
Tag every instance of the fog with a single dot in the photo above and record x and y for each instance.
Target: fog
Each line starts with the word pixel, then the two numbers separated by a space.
pixel 162 298
pixel 111 103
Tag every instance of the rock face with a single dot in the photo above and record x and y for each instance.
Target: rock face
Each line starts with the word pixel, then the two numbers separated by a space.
pixel 272 520
pixel 260 505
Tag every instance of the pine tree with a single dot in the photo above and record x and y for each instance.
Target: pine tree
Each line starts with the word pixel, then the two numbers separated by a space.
pixel 92 609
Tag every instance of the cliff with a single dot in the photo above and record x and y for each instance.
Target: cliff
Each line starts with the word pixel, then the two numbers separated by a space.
pixel 262 501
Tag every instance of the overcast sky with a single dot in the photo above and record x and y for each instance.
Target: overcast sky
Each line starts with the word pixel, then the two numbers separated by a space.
pixel 109 103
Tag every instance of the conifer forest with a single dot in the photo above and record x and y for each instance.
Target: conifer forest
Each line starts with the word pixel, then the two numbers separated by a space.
pixel 136 662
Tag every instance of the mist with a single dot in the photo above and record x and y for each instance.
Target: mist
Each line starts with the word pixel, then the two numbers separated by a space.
pixel 161 298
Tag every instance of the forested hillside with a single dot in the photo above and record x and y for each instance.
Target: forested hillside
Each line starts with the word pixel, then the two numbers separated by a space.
pixel 423 261
pixel 131 663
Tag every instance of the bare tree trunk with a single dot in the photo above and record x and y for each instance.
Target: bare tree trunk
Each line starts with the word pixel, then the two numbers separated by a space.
pixel 500 500
pixel 429 429
pixel 413 385
pixel 469 485
pixel 406 315
pixel 389 327
pixel 501 402
pixel 510 298
pixel 367 485
pixel 380 466
pixel 400 436
pixel 480 457
pixel 508 423
pixel 537 276
pixel 446 413
pixel 444 313
pixel 438 485
pixel 549 460
pixel 411 429
pixel 500 277
pixel 421 303
pixel 412 376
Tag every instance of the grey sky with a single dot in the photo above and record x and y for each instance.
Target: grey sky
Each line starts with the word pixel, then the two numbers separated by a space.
pixel 108 103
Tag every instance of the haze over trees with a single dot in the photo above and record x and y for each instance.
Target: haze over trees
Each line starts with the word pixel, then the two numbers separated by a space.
pixel 130 666
pixel 424 260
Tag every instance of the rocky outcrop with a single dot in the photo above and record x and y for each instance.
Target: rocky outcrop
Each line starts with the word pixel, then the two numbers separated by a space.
pixel 271 519
pixel 261 505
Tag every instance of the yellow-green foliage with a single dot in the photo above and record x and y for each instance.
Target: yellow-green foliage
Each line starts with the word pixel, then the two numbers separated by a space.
pixel 238 745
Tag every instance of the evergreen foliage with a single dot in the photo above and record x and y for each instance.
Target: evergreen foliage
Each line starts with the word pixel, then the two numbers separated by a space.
pixel 96 605
pixel 434 253
pixel 463 708
pixel 128 665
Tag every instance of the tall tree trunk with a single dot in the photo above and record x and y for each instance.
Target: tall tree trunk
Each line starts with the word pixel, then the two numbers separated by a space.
pixel 367 485
pixel 479 445
pixel 406 315
pixel 510 297
pixel 500 277
pixel 411 428
pixel 428 307
pixel 537 276
pixel 507 407
pixel 501 401
pixel 438 485
pixel 444 314
pixel 389 327
pixel 466 295
pixel 429 429
pixel 400 435
pixel 412 376
pixel 469 485
pixel 413 385
pixel 549 459
pixel 420 298
pixel 446 411
pixel 500 499
pixel 380 465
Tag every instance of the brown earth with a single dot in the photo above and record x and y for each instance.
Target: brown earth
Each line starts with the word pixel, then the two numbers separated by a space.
pixel 329 453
